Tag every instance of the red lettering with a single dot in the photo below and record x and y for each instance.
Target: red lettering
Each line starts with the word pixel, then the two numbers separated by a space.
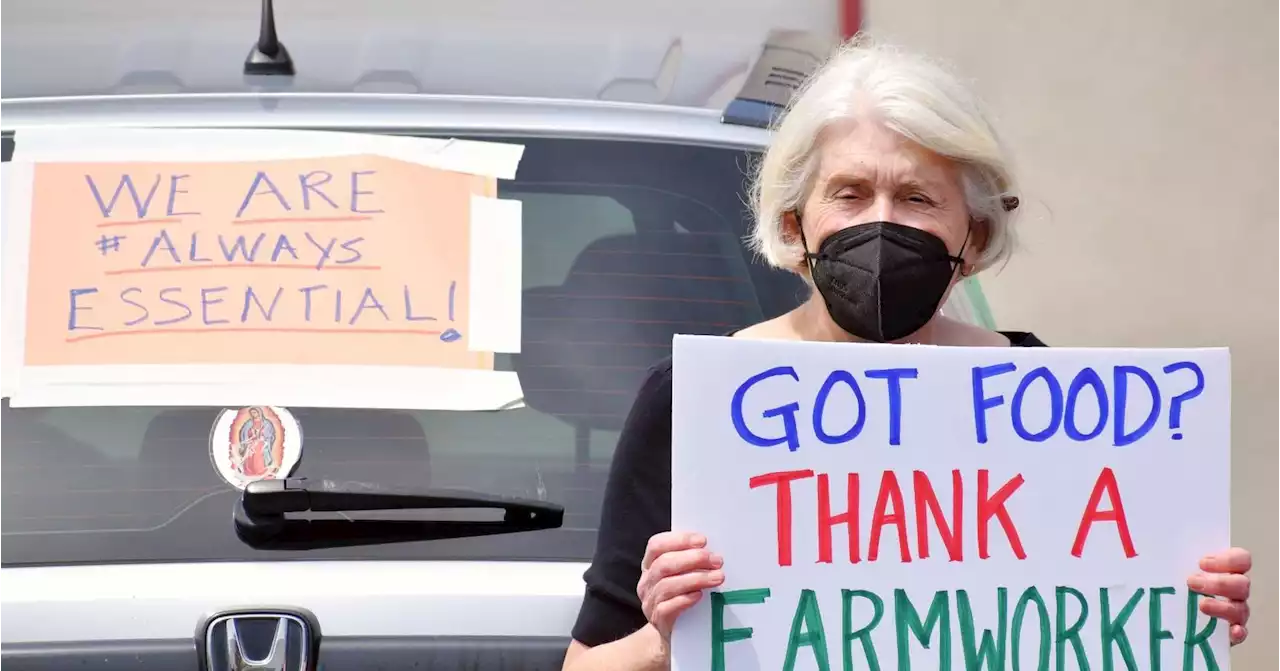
pixel 925 498
pixel 783 480
pixel 1106 483
pixel 890 493
pixel 826 520
pixel 993 506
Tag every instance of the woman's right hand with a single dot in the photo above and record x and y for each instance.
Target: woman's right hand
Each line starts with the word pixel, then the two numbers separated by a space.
pixel 675 569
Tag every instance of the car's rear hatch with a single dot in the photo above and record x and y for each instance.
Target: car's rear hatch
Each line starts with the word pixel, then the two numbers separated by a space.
pixel 118 538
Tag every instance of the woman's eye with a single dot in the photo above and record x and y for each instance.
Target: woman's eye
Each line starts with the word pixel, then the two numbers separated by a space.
pixel 919 199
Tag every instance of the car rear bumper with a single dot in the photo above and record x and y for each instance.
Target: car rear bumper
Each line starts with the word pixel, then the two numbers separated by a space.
pixel 369 614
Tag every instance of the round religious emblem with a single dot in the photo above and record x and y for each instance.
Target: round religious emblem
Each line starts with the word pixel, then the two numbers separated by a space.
pixel 260 442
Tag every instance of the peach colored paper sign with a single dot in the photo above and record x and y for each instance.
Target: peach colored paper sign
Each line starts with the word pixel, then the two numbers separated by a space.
pixel 358 260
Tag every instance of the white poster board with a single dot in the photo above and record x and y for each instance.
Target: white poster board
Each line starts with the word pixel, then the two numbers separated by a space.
pixel 998 513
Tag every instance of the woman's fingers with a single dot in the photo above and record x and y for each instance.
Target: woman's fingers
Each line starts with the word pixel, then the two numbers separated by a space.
pixel 669 541
pixel 676 563
pixel 676 585
pixel 1238 633
pixel 1235 560
pixel 676 568
pixel 673 595
pixel 664 614
pixel 1229 585
pixel 1234 612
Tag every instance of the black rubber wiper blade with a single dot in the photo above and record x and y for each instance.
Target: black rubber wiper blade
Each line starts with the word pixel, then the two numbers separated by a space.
pixel 261 514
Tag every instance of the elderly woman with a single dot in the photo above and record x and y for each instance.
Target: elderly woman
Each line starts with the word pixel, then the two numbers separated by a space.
pixel 884 185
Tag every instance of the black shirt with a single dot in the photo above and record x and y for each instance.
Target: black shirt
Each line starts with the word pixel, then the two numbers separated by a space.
pixel 637 505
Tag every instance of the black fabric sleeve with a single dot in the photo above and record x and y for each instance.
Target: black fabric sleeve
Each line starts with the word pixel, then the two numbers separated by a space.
pixel 637 505
pixel 1023 339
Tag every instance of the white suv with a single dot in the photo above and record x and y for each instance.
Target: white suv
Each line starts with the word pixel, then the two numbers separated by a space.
pixel 119 548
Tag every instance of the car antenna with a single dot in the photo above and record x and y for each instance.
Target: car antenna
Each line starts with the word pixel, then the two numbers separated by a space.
pixel 268 56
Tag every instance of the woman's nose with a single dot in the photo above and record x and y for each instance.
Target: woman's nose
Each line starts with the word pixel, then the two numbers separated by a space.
pixel 883 208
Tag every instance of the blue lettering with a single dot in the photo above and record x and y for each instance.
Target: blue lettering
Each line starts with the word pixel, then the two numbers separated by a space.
pixel 820 406
pixel 355 253
pixel 453 290
pixel 1065 408
pixel 308 186
pixel 1055 405
pixel 1086 377
pixel 195 241
pixel 251 297
pixel 894 376
pixel 787 412
pixel 1175 403
pixel 368 301
pixel 163 236
pixel 1122 374
pixel 173 196
pixel 306 293
pixel 71 320
pixel 337 305
pixel 981 402
pixel 140 205
pixel 240 244
pixel 261 178
pixel 205 303
pixel 165 299
pixel 408 309
pixel 356 192
pixel 325 251
pixel 124 296
pixel 282 243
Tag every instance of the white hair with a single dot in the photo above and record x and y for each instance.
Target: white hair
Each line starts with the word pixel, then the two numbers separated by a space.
pixel 912 96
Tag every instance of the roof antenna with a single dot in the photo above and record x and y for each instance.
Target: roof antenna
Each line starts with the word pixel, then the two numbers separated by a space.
pixel 268 56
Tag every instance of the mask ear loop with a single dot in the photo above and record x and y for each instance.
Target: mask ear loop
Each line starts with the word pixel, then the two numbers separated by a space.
pixel 809 257
pixel 958 259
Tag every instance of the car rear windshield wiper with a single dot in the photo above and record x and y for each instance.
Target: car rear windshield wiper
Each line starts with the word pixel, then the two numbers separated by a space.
pixel 261 522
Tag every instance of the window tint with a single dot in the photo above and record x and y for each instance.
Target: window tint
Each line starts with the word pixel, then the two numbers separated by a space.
pixel 625 244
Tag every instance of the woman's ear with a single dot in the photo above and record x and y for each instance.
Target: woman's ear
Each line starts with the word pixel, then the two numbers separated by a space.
pixel 979 234
pixel 791 228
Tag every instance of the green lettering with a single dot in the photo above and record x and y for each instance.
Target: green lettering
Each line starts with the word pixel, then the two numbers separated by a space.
pixel 721 636
pixel 991 652
pixel 1199 640
pixel 1113 632
pixel 1031 595
pixel 908 621
pixel 1154 621
pixel 863 634
pixel 1064 634
pixel 809 618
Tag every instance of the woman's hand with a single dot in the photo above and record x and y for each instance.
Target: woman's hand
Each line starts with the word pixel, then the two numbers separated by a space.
pixel 1223 575
pixel 675 569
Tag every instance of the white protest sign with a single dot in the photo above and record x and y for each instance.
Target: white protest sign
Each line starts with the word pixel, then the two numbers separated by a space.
pixel 898 507
pixel 259 267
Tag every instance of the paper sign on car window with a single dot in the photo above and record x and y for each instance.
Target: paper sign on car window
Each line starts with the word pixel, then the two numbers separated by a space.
pixel 230 275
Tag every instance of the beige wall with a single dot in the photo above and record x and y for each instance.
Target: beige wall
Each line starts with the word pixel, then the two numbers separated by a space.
pixel 1146 140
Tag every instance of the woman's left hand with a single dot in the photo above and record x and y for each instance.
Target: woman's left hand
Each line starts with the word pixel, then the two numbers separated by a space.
pixel 1224 575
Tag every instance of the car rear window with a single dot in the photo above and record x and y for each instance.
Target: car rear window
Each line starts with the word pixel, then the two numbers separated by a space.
pixel 625 244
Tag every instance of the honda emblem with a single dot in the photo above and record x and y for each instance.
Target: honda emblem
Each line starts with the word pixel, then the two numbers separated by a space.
pixel 260 641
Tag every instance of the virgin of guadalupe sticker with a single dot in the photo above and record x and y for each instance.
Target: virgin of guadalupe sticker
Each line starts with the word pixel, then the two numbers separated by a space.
pixel 260 442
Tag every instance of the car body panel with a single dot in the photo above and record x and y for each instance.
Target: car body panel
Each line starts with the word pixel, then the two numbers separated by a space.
pixel 403 610
pixel 679 52
pixel 158 602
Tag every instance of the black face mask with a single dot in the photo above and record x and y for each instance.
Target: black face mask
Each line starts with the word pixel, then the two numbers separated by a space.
pixel 882 281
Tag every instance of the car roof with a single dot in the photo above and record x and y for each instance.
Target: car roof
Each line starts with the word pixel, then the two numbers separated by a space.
pixel 390 114
pixel 687 53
